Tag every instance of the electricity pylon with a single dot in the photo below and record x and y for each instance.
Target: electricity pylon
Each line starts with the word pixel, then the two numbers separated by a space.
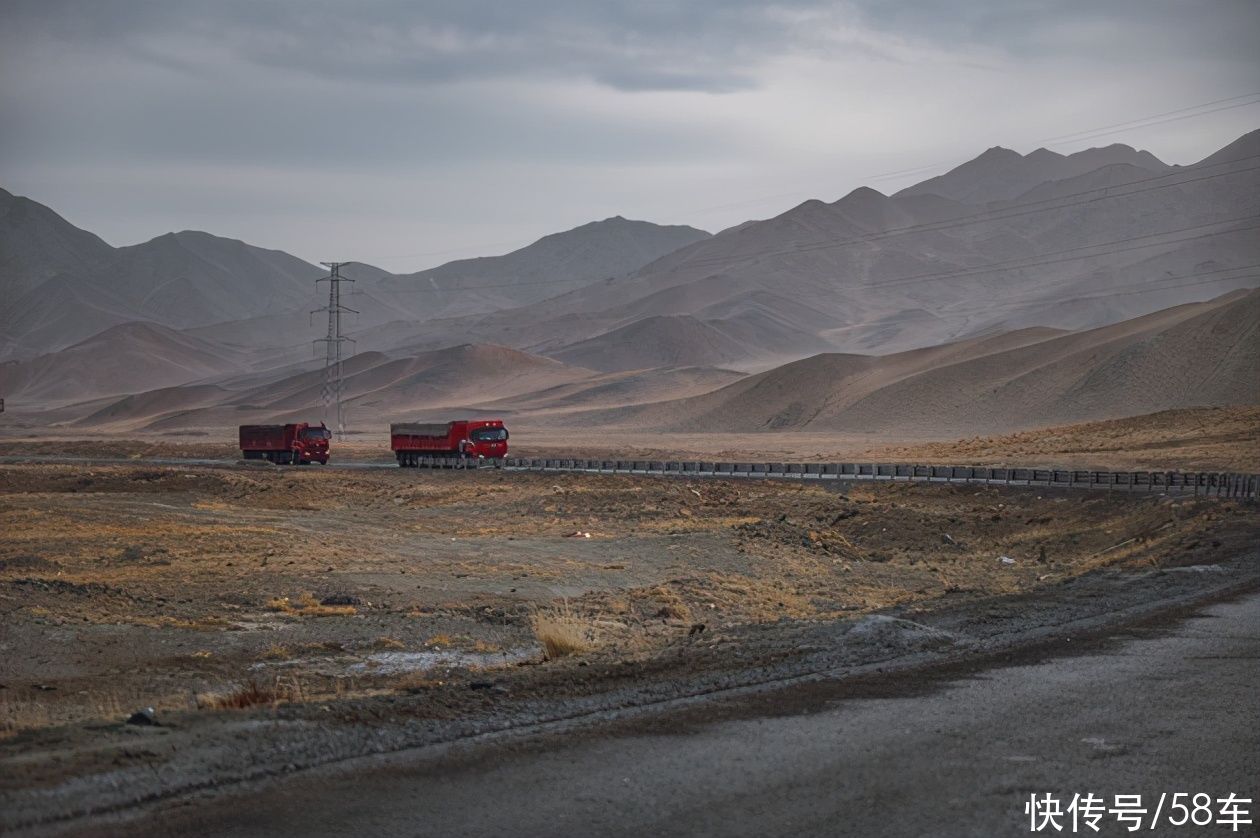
pixel 331 391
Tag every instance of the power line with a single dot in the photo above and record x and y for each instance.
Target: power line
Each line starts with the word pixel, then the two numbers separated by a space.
pixel 1157 122
pixel 1134 122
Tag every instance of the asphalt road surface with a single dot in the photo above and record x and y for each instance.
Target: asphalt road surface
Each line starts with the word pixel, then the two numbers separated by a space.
pixel 1167 709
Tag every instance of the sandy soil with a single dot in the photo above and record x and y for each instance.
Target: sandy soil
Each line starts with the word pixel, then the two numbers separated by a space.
pixel 131 585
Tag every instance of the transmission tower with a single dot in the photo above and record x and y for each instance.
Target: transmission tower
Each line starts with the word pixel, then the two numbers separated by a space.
pixel 331 391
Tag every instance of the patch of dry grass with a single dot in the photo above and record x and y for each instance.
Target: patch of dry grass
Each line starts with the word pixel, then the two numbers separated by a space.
pixel 562 633
pixel 251 694
pixel 306 605
pixel 276 652
pixel 19 715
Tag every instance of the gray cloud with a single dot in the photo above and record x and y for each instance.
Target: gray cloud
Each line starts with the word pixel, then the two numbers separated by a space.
pixel 445 124
pixel 713 46
pixel 626 46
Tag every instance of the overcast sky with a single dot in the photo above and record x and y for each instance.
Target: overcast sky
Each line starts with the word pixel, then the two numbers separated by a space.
pixel 405 133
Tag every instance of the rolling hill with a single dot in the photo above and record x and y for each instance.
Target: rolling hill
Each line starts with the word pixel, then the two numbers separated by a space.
pixel 376 389
pixel 1201 354
pixel 127 358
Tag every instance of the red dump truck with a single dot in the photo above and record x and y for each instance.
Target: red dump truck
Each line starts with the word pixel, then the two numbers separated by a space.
pixel 464 438
pixel 299 443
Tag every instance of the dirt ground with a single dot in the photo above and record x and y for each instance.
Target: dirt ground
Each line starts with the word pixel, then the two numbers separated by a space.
pixel 1201 439
pixel 198 588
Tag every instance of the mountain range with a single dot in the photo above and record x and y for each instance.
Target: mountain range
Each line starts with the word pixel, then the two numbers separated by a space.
pixel 1007 256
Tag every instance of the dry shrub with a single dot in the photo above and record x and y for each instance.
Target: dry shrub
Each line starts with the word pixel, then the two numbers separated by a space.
pixel 18 715
pixel 672 604
pixel 561 632
pixel 276 652
pixel 251 694
pixel 389 643
pixel 307 605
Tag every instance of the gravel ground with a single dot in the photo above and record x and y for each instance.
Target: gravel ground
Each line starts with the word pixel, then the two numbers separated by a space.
pixel 382 611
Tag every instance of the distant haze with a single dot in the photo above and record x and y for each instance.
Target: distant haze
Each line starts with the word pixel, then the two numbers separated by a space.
pixel 408 134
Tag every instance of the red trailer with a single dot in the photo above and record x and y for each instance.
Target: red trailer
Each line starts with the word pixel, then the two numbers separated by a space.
pixel 461 439
pixel 298 443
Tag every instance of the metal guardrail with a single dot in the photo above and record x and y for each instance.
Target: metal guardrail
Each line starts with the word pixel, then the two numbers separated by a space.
pixel 1203 484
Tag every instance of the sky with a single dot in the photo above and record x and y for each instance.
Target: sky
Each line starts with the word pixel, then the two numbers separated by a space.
pixel 405 133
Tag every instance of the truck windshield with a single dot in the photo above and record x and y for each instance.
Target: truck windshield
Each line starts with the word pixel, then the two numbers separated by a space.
pixel 317 433
pixel 490 434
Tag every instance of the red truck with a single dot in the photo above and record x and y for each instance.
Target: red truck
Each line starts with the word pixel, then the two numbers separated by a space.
pixel 461 439
pixel 299 443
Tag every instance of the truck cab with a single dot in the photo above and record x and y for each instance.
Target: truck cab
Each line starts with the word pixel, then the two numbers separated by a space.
pixel 312 444
pixel 489 440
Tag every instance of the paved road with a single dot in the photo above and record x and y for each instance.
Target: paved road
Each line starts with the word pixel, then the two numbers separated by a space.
pixel 1170 709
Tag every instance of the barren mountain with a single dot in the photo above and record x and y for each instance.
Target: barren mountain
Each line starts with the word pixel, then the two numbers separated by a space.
pixel 393 309
pixel 1001 174
pixel 178 280
pixel 871 273
pixel 128 358
pixel 1088 239
pixel 37 244
pixel 549 266
pixel 1201 354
